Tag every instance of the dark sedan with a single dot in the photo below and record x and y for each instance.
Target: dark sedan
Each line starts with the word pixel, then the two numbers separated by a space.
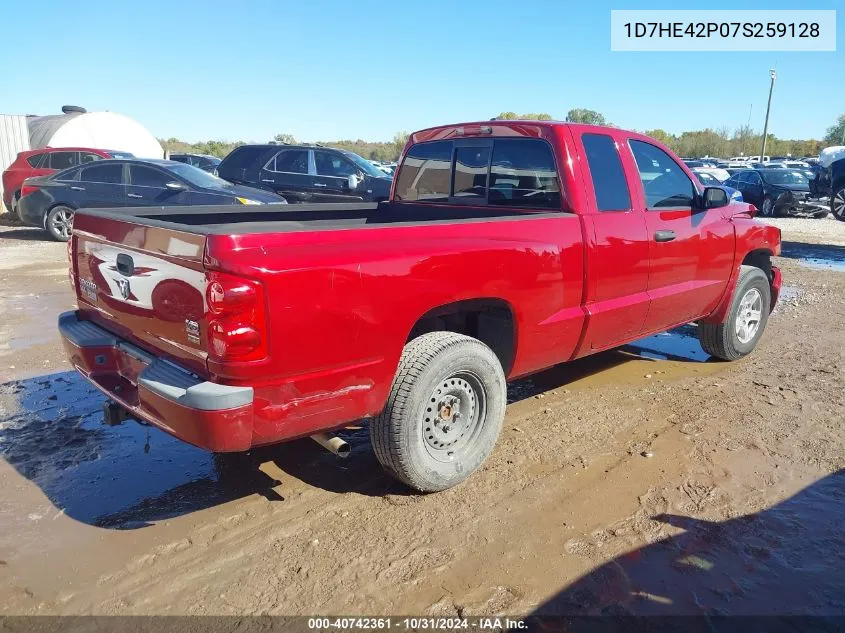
pixel 777 192
pixel 49 201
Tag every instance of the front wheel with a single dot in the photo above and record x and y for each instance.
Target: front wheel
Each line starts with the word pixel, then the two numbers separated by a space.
pixel 837 204
pixel 768 208
pixel 747 318
pixel 59 223
pixel 444 411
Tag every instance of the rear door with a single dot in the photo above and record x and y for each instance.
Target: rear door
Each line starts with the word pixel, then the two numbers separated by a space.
pixel 617 245
pixel 289 173
pixel 331 183
pixel 691 249
pixel 754 189
pixel 147 186
pixel 102 184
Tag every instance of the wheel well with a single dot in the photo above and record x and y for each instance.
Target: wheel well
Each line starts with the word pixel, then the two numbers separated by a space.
pixel 761 259
pixel 491 321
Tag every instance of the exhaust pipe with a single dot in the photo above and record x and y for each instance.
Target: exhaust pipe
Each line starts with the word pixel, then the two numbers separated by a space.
pixel 333 444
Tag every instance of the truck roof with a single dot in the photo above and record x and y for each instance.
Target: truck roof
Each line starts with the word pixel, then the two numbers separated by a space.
pixel 503 127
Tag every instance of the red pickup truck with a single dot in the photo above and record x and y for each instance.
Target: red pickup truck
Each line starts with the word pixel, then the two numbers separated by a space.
pixel 506 247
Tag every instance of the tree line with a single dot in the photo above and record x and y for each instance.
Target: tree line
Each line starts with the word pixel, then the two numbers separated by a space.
pixel 721 142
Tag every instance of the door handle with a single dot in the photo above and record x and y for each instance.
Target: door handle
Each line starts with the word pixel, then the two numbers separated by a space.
pixel 267 180
pixel 77 188
pixel 134 195
pixel 664 236
pixel 319 184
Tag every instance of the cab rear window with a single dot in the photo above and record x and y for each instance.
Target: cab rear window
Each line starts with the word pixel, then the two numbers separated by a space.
pixel 501 172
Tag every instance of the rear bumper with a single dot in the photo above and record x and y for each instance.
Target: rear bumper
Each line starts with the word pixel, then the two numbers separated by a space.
pixel 216 417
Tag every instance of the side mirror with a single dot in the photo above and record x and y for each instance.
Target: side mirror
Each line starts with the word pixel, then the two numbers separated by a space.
pixel 715 197
pixel 352 181
pixel 175 185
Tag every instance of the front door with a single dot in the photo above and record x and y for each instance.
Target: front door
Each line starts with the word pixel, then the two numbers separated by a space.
pixel 331 183
pixel 691 249
pixel 147 186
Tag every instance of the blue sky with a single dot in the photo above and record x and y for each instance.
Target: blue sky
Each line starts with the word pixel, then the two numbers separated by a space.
pixel 364 69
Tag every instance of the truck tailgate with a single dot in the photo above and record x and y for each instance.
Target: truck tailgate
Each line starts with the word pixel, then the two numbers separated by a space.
pixel 145 284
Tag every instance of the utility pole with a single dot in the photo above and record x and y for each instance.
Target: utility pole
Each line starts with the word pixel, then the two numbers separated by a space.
pixel 768 107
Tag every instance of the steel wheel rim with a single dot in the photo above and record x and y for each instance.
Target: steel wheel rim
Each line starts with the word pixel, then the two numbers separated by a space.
pixel 839 204
pixel 454 416
pixel 62 221
pixel 749 315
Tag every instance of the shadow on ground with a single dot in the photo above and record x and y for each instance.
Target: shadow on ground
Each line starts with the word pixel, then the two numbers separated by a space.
pixel 128 476
pixel 787 560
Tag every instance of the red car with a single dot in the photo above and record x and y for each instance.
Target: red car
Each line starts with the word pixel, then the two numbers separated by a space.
pixel 506 247
pixel 39 162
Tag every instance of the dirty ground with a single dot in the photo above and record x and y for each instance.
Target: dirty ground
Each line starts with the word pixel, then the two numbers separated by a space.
pixel 643 480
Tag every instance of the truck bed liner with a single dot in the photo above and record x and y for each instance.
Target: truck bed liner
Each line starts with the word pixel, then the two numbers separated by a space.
pixel 282 218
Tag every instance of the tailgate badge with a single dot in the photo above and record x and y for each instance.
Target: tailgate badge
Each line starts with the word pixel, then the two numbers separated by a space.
pixel 89 289
pixel 193 330
pixel 123 286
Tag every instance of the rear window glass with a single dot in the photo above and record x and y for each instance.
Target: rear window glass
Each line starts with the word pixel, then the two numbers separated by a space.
pixel 523 174
pixel 471 165
pixel 293 161
pixel 425 172
pixel 244 156
pixel 606 171
pixel 62 160
pixel 71 174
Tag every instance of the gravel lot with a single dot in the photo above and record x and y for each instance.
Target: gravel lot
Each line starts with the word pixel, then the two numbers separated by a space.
pixel 642 480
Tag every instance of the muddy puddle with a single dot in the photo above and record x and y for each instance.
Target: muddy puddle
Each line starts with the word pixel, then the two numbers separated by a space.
pixel 818 256
pixel 131 475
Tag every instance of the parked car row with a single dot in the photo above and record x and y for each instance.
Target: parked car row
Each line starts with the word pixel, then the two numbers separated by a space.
pixel 50 201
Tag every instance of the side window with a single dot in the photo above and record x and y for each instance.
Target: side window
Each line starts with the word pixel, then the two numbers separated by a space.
pixel 665 184
pixel 425 173
pixel 754 178
pixel 609 181
pixel 88 157
pixel 38 161
pixel 471 165
pixel 523 174
pixel 141 176
pixel 330 164
pixel 105 171
pixel 62 160
pixel 294 161
pixel 73 174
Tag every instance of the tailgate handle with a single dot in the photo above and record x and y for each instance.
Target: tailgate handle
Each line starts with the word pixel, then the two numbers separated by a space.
pixel 125 265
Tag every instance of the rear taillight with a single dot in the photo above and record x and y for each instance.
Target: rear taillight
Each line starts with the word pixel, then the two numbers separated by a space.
pixel 28 189
pixel 237 328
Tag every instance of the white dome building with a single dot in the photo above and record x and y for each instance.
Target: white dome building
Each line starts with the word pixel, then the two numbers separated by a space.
pixel 98 130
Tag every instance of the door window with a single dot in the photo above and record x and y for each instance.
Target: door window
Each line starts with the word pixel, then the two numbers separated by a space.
pixel 331 164
pixel 105 172
pixel 148 177
pixel 88 157
pixel 664 182
pixel 294 161
pixel 62 160
pixel 609 181
pixel 754 178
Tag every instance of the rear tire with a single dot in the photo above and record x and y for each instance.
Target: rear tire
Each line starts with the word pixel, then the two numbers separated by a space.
pixel 746 320
pixel 837 204
pixel 59 223
pixel 444 411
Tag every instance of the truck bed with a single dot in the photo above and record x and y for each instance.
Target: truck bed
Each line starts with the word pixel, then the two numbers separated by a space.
pixel 283 218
